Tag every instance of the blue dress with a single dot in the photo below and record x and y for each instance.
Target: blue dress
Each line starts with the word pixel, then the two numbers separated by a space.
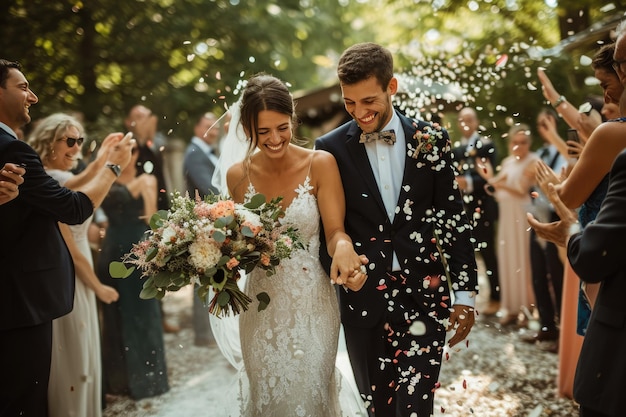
pixel 587 213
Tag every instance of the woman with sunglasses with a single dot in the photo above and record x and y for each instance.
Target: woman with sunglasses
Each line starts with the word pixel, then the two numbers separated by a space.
pixel 75 374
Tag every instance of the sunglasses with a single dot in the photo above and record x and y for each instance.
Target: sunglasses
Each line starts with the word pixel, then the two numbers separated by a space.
pixel 70 142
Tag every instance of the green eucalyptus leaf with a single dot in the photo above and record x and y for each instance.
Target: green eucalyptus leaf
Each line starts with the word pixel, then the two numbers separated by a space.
pixel 219 236
pixel 255 202
pixel 118 270
pixel 148 293
pixel 157 218
pixel 223 298
pixel 164 278
pixel 247 232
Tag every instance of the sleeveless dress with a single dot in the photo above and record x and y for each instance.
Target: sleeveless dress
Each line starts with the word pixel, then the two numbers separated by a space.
pixel 133 351
pixel 513 240
pixel 75 371
pixel 289 349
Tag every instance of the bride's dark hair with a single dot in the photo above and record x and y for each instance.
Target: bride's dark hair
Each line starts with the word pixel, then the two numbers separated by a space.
pixel 264 92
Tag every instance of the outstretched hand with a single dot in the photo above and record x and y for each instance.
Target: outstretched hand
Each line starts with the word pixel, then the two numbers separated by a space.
pixel 544 175
pixel 462 320
pixel 556 232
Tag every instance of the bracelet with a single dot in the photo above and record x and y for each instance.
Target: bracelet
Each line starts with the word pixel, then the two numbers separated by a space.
pixel 560 101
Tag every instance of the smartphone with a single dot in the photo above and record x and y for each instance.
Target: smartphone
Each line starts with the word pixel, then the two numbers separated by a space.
pixel 572 134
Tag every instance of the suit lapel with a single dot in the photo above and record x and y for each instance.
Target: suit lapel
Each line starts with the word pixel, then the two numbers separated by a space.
pixel 362 163
pixel 409 163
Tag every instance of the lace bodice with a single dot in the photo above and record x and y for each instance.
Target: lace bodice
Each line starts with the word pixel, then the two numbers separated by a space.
pixel 303 207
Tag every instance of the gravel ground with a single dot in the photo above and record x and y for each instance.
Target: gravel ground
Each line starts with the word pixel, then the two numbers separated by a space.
pixel 493 375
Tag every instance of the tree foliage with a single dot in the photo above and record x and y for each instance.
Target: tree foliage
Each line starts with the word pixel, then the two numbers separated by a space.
pixel 184 57
pixel 180 58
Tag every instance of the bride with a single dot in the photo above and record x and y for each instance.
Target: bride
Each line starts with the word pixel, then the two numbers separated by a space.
pixel 288 350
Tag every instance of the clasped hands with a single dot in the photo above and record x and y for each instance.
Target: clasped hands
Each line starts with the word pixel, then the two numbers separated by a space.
pixel 348 268
pixel 10 180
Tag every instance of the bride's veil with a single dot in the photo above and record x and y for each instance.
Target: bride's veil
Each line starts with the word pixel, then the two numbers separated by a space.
pixel 232 150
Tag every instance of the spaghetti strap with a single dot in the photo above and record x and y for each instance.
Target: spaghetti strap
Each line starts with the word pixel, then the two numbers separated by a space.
pixel 308 174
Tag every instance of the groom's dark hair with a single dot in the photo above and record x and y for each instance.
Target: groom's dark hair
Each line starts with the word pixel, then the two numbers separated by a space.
pixel 5 66
pixel 364 60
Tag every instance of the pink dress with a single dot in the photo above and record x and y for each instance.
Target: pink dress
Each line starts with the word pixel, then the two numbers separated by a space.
pixel 513 238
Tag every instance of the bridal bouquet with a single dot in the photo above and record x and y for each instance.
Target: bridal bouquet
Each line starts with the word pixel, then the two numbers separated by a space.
pixel 209 242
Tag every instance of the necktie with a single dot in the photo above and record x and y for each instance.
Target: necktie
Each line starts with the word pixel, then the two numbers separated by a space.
pixel 545 153
pixel 389 136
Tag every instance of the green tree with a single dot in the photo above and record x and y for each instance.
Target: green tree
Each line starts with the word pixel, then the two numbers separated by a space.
pixel 180 58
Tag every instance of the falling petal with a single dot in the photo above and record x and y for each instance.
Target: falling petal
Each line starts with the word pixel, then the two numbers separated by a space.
pixel 148 167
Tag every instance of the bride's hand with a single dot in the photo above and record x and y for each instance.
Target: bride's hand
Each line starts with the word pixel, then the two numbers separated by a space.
pixel 346 268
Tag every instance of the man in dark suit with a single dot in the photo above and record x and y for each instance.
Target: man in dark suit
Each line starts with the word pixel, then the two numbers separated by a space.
pixel 470 153
pixel 37 275
pixel 597 255
pixel 198 166
pixel 545 263
pixel 402 202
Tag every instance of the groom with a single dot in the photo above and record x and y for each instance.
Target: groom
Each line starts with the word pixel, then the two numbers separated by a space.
pixel 401 201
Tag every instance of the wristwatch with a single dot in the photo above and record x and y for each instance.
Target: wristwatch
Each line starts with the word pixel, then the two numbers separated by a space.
pixel 117 170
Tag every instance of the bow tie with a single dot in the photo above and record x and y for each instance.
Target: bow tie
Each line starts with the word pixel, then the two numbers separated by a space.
pixel 389 136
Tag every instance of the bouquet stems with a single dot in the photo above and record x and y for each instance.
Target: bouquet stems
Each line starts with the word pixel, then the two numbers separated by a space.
pixel 229 298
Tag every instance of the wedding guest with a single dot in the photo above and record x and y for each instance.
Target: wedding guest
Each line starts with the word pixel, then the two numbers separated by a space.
pixel 76 373
pixel 133 353
pixel 585 190
pixel 403 206
pixel 470 153
pixel 512 187
pixel 299 329
pixel 198 168
pixel 597 255
pixel 38 273
pixel 10 180
pixel 546 266
pixel 144 125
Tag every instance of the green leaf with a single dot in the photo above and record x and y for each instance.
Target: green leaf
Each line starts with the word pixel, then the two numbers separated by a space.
pixel 223 298
pixel 118 270
pixel 264 300
pixel 223 222
pixel 255 202
pixel 218 236
pixel 223 260
pixel 151 253
pixel 164 278
pixel 148 293
pixel 247 232
pixel 157 218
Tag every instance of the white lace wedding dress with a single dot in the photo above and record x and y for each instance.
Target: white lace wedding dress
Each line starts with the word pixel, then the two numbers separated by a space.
pixel 289 349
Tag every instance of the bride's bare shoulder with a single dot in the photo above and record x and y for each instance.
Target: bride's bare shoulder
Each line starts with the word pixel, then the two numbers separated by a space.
pixel 235 178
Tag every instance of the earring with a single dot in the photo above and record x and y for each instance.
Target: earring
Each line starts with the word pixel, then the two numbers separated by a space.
pixel 52 155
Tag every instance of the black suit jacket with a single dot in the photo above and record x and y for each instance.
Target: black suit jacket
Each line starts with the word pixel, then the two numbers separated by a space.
pixel 428 197
pixel 198 169
pixel 37 272
pixel 466 165
pixel 598 255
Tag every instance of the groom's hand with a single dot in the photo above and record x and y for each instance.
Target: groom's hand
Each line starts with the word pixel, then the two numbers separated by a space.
pixel 349 275
pixel 462 319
